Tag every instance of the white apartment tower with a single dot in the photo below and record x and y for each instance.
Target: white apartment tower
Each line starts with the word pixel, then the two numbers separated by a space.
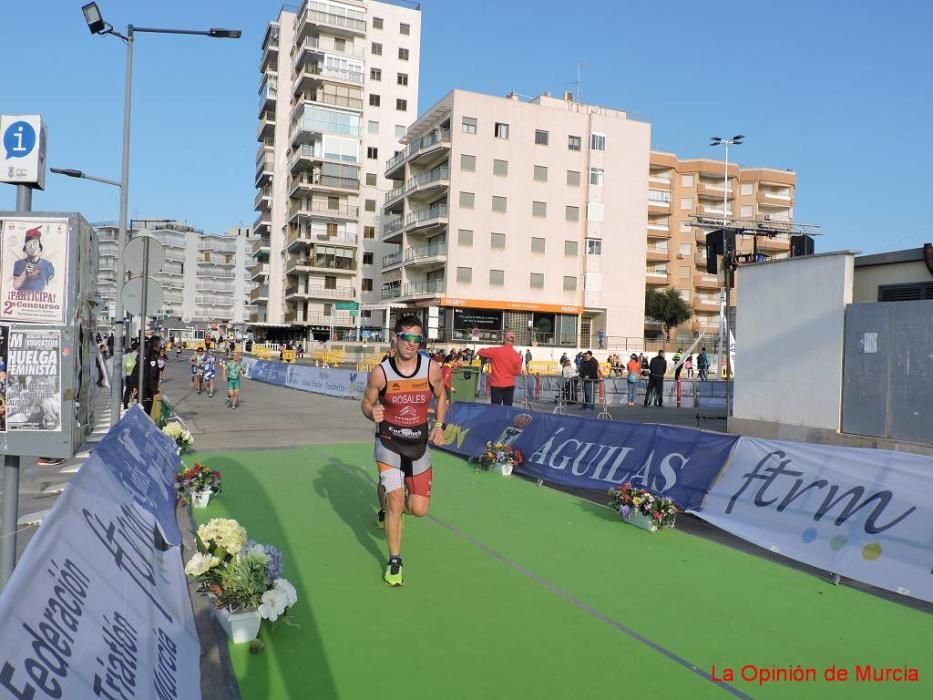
pixel 339 86
pixel 524 216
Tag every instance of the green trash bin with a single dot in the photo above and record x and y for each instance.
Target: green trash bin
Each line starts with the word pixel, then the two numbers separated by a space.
pixel 464 380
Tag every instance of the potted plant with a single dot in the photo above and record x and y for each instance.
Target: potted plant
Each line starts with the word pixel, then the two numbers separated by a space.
pixel 642 508
pixel 181 435
pixel 197 484
pixel 243 579
pixel 500 458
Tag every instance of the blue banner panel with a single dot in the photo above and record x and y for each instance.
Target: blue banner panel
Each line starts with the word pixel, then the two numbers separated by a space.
pixel 269 372
pixel 342 383
pixel 679 463
pixel 866 514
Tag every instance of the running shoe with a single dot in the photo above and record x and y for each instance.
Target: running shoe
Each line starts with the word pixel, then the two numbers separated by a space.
pixel 381 519
pixel 393 575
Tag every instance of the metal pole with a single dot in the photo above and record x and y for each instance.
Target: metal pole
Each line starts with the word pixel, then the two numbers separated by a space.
pixel 11 463
pixel 143 317
pixel 116 387
pixel 725 271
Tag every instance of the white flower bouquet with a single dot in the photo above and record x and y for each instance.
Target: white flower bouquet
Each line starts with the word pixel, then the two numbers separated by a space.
pixel 180 435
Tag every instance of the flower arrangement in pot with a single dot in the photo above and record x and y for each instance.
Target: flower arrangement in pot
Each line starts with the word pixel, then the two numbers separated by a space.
pixel 181 435
pixel 242 578
pixel 642 508
pixel 499 457
pixel 197 484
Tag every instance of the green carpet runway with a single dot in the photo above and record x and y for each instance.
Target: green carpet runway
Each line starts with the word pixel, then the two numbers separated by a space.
pixel 517 591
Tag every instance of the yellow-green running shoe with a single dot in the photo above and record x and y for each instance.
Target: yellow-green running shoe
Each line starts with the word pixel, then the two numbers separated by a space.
pixel 393 575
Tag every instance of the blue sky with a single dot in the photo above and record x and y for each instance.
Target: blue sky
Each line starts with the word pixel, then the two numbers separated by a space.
pixel 841 92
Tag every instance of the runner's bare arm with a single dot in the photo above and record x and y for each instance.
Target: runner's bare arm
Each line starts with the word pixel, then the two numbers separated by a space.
pixel 436 378
pixel 370 405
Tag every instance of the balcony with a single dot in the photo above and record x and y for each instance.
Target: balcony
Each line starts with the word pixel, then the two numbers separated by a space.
pixel 705 305
pixel 424 147
pixel 699 260
pixel 660 182
pixel 324 182
pixel 428 288
pixel 310 20
pixel 704 210
pixel 392 230
pixel 260 292
pixel 657 279
pixel 660 231
pixel 260 247
pixel 700 235
pixel 774 199
pixel 312 49
pixel 391 293
pixel 316 318
pixel 307 129
pixel 655 255
pixel 263 171
pixel 304 237
pixel 258 270
pixel 426 217
pixel 263 200
pixel 426 184
pixel 313 74
pixel 270 53
pixel 261 225
pixel 318 97
pixel 268 92
pixel 316 210
pixel 319 292
pixel 342 265
pixel 266 128
pixel 425 255
pixel 777 245
pixel 716 191
pixel 391 260
pixel 705 282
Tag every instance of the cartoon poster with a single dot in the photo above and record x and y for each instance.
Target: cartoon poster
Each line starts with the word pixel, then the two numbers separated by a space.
pixel 33 270
pixel 3 340
pixel 33 384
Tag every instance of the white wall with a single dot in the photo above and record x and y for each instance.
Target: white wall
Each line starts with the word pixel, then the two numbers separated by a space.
pixel 789 346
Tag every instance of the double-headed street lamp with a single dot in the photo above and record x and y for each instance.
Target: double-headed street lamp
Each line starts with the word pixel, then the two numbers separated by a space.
pixel 727 262
pixel 97 25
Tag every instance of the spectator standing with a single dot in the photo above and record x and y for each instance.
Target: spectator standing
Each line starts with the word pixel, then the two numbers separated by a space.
pixel 703 365
pixel 688 365
pixel 506 365
pixel 110 345
pixel 634 372
pixel 568 380
pixel 658 368
pixel 589 373
pixel 129 363
pixel 150 369
pixel 527 359
pixel 678 365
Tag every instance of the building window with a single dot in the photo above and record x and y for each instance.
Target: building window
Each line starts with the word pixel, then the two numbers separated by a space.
pixel 537 245
pixel 570 248
pixel 684 272
pixel 372 152
pixel 497 277
pixel 370 179
pixel 367 284
pixel 540 173
pixel 685 249
pixel 502 130
pixel 374 100
pixel 400 131
pixel 376 49
pixel 403 54
pixel 572 213
pixel 464 237
pixel 746 212
pixel 748 188
pixel 537 280
pixel 500 167
pixel 465 274
pixel 373 127
pixel 539 209
pixel 500 204
pixel 596 176
pixel 330 283
pixel 369 232
pixel 594 246
pixel 469 125
pixel 377 22
pixel 466 200
pixel 570 284
pixel 467 163
pixel 375 74
pixel 497 241
pixel 367 258
pixel 541 137
pixel 686 180
pixel 370 205
pixel 597 142
pixel 404 29
pixel 402 79
pixel 574 143
pixel 573 178
pixel 686 203
pixel 401 105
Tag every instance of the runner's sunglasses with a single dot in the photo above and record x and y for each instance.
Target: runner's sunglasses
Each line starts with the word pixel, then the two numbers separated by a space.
pixel 411 338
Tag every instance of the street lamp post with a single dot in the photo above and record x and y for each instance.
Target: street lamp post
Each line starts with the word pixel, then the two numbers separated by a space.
pixel 97 25
pixel 727 266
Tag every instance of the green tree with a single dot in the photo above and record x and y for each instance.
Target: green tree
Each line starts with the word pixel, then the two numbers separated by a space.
pixel 668 308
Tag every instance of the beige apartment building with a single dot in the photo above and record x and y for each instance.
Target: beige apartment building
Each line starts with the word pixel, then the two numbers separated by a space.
pixel 519 215
pixel 338 87
pixel 678 191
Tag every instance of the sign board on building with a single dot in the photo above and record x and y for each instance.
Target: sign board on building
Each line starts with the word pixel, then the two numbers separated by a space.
pixel 347 305
pixel 22 158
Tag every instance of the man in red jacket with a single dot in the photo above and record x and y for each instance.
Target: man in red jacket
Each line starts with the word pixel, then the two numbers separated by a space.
pixel 506 365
